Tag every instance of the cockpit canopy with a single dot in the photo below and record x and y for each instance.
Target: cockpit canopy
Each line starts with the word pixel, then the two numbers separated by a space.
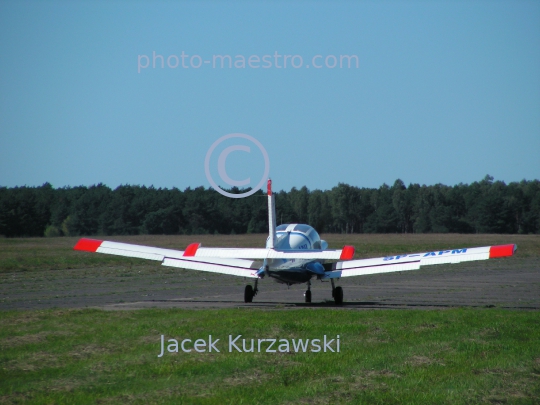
pixel 298 236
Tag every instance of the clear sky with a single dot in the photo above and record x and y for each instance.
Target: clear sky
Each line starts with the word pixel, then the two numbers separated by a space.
pixel 443 92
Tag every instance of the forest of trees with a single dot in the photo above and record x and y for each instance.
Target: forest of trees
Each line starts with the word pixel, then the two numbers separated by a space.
pixel 486 206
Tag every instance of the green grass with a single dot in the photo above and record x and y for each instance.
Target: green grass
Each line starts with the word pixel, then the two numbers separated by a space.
pixel 388 357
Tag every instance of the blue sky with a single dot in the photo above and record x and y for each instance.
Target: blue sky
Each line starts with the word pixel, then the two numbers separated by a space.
pixel 444 92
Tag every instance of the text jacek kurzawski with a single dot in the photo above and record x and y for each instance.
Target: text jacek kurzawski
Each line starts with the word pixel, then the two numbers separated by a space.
pixel 237 344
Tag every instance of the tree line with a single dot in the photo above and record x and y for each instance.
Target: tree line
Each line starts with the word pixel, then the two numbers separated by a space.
pixel 486 206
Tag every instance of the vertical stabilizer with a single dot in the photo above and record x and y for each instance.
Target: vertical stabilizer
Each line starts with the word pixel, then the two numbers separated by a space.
pixel 271 216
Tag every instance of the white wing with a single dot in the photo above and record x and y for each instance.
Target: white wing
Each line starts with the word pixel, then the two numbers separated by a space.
pixel 195 251
pixel 414 261
pixel 170 257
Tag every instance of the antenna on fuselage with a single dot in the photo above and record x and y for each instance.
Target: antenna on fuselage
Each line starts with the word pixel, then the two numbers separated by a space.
pixel 271 216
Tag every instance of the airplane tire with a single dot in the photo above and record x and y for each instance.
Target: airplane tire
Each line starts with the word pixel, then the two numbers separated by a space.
pixel 248 294
pixel 338 295
pixel 308 296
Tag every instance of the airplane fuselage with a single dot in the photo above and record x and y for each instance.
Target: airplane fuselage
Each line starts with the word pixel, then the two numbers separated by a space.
pixel 295 271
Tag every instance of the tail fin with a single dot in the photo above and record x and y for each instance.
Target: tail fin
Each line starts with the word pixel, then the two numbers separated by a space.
pixel 271 216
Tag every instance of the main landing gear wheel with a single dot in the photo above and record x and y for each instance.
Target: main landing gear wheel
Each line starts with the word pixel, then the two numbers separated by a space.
pixel 308 292
pixel 248 294
pixel 308 296
pixel 337 293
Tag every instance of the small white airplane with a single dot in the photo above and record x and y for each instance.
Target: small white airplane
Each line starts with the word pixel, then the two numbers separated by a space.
pixel 294 254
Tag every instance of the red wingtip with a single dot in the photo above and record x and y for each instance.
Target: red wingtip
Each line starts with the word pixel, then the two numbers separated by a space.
pixel 501 251
pixel 87 245
pixel 192 249
pixel 269 187
pixel 347 253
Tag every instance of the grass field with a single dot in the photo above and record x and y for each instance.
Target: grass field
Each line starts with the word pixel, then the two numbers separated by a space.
pixel 390 357
pixel 79 356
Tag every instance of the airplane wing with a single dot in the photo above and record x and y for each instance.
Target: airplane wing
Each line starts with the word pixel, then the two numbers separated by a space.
pixel 173 258
pixel 415 261
pixel 217 260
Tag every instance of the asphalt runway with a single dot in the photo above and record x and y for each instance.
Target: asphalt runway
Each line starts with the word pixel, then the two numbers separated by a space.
pixel 505 283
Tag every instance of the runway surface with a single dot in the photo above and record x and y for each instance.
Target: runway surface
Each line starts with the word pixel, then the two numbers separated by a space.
pixel 508 283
